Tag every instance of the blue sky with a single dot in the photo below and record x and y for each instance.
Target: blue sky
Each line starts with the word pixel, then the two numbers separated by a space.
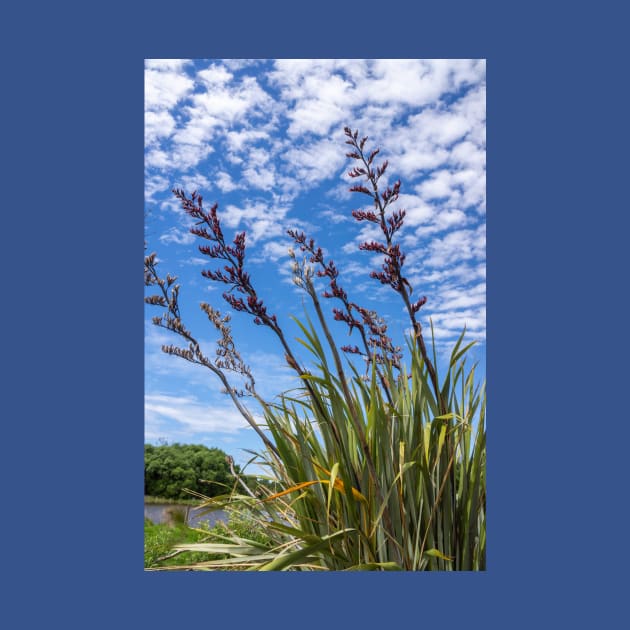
pixel 264 139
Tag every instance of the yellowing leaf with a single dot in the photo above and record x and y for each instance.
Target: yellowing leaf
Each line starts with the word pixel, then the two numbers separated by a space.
pixel 436 553
pixel 338 485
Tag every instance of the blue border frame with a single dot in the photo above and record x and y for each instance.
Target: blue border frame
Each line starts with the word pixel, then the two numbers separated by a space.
pixel 74 232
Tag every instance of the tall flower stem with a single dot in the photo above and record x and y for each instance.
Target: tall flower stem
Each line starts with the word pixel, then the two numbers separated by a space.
pixel 394 258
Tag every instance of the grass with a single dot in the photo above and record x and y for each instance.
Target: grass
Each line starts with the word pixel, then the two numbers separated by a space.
pixel 161 501
pixel 161 539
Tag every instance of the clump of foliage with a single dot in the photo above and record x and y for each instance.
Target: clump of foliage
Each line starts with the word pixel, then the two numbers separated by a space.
pixel 381 468
pixel 172 469
pixel 160 539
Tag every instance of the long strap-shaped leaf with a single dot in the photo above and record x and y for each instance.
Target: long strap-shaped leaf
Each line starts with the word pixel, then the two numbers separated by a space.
pixel 284 561
pixel 338 485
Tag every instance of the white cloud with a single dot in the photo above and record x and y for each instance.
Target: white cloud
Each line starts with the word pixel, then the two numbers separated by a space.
pixel 157 158
pixel 239 64
pixel 195 260
pixel 351 267
pixel 408 81
pixel 469 155
pixel 457 246
pixel 316 86
pixel 448 218
pixel 275 250
pixel 452 323
pixel 443 219
pixel 462 297
pixel 376 121
pixel 164 65
pixel 195 181
pixel 368 232
pixel 472 106
pixel 188 155
pixel 228 103
pixel 238 140
pixel 165 84
pixel 190 415
pixel 438 185
pixel 259 176
pixel 462 273
pixel 171 204
pixel 336 216
pixel 224 182
pixel 260 219
pixel 322 94
pixel 416 156
pixel 155 184
pixel 262 229
pixel 214 101
pixel 234 215
pixel 415 82
pixel 455 189
pixel 314 162
pixel 324 103
pixel 214 76
pixel 157 125
pixel 196 131
pixel 289 74
pixel 177 235
pixel 417 211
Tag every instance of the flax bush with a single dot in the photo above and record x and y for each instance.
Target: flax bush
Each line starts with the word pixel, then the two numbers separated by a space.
pixel 381 468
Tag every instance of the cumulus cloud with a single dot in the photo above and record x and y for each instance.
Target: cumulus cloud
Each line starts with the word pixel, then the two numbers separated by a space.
pixel 224 182
pixel 450 324
pixel 313 162
pixel 167 65
pixel 177 235
pixel 215 76
pixel 461 274
pixel 275 250
pixel 165 83
pixel 260 219
pixel 368 232
pixel 237 141
pixel 460 297
pixel 323 103
pixel 265 139
pixel 157 125
pixel 417 210
pixel 335 216
pixel 457 246
pixel 153 185
pixel 157 159
pixel 260 175
pixel 315 87
pixel 226 103
pixel 189 415
pixel 213 101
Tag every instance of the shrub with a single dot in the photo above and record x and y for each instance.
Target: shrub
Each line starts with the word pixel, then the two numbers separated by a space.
pixel 169 469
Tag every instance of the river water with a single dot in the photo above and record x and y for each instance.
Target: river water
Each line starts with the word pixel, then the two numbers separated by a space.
pixel 158 513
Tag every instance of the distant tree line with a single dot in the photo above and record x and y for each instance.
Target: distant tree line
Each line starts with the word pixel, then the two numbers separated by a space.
pixel 170 468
